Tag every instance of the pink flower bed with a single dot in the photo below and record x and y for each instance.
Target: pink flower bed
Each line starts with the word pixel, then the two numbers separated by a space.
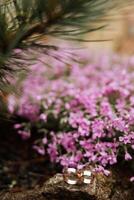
pixel 83 112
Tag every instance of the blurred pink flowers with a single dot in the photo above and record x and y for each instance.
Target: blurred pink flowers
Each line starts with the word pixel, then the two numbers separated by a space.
pixel 84 110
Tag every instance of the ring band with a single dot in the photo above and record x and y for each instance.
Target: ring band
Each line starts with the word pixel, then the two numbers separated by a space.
pixel 70 176
pixel 73 176
pixel 87 176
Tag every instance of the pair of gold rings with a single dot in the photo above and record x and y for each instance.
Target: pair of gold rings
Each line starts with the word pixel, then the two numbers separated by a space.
pixel 73 176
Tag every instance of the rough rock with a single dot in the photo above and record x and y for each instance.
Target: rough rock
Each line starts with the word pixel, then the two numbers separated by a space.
pixel 101 188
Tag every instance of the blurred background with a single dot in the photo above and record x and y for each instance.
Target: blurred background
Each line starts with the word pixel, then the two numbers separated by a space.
pixel 119 32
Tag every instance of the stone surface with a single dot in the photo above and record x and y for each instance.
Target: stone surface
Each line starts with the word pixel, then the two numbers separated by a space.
pixel 56 188
pixel 101 188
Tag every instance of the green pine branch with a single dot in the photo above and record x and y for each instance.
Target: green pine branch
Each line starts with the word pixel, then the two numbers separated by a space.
pixel 22 20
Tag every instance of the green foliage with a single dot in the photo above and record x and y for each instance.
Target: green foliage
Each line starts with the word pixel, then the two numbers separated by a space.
pixel 21 19
pixel 24 22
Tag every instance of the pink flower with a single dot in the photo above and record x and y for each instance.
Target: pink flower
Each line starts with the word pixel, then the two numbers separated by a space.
pixel 132 179
pixel 24 134
pixel 97 128
pixel 68 142
pixel 119 124
pixel 106 109
pixel 64 161
pixel 39 149
pixel 44 140
pixel 101 169
pixel 43 117
pixel 52 151
pixel 17 126
pixel 128 156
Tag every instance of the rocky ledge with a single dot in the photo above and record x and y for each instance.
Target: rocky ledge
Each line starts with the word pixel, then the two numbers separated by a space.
pixel 101 188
